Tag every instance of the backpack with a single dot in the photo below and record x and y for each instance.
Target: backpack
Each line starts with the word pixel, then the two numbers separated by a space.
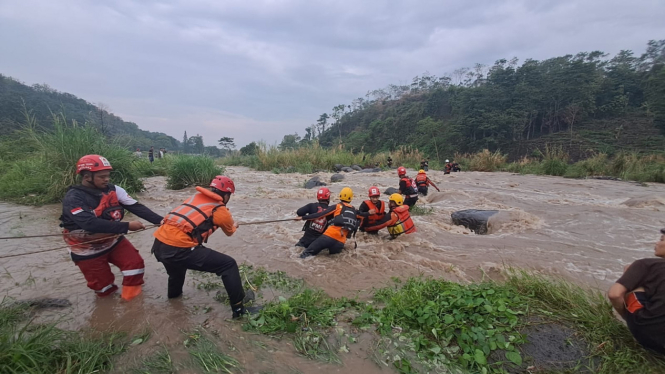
pixel 346 219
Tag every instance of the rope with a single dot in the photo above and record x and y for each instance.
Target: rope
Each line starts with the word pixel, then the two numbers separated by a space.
pixel 31 236
pixel 262 222
pixel 87 242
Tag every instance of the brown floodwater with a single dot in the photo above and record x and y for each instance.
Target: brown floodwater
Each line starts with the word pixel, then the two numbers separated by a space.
pixel 583 230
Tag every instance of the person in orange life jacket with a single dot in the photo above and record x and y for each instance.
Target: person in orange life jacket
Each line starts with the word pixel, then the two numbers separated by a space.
pixel 92 214
pixel 398 220
pixel 343 225
pixel 407 187
pixel 639 299
pixel 422 181
pixel 314 228
pixel 179 242
pixel 372 210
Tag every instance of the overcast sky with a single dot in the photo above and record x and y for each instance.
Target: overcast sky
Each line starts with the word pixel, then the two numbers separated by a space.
pixel 257 70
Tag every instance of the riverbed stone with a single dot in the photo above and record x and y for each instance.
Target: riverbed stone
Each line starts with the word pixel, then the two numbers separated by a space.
pixel 314 182
pixel 336 178
pixel 474 219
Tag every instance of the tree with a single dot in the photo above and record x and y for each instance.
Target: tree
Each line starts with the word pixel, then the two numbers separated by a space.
pixel 322 122
pixel 185 143
pixel 289 142
pixel 196 144
pixel 250 149
pixel 226 143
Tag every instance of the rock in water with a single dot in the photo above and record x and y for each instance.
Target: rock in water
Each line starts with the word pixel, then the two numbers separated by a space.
pixel 371 170
pixel 473 219
pixel 356 167
pixel 336 178
pixel 391 190
pixel 338 167
pixel 314 182
pixel 347 169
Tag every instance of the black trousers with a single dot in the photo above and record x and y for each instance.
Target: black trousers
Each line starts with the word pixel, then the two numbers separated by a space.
pixel 307 239
pixel 645 335
pixel 323 242
pixel 423 190
pixel 411 201
pixel 177 260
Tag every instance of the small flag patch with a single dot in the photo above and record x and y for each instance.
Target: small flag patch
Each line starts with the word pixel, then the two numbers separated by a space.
pixel 77 210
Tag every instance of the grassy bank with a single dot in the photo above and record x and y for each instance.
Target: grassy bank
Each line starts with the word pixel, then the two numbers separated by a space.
pixel 37 167
pixel 309 159
pixel 429 325
pixel 29 347
pixel 553 161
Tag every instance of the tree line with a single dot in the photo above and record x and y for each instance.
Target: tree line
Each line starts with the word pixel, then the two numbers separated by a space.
pixel 489 107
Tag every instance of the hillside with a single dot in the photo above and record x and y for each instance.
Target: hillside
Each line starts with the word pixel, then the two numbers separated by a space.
pixel 584 103
pixel 42 101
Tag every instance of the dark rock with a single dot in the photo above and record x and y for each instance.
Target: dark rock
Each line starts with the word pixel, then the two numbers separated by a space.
pixel 338 167
pixel 391 190
pixel 473 219
pixel 356 167
pixel 605 178
pixel 314 182
pixel 336 178
pixel 371 170
pixel 347 169
pixel 45 303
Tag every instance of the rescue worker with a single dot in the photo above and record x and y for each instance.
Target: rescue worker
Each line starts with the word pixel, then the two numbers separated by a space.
pixel 398 221
pixel 179 242
pixel 448 167
pixel 344 223
pixel 314 228
pixel 424 164
pixel 372 210
pixel 92 214
pixel 407 187
pixel 422 181
pixel 639 299
pixel 389 161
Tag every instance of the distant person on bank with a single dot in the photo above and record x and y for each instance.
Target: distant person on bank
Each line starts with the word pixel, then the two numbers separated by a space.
pixel 151 154
pixel 639 297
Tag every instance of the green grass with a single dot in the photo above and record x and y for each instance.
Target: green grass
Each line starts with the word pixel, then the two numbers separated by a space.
pixel 419 210
pixel 158 363
pixel 29 347
pixel 206 354
pixel 185 171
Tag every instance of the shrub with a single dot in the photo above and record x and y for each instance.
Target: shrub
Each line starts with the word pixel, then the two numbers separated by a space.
pixel 487 161
pixel 186 171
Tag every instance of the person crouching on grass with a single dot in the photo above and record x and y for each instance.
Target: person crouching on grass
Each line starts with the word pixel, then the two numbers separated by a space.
pixel 639 298
pixel 92 225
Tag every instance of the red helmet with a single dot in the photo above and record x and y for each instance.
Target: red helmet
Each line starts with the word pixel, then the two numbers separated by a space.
pixel 374 191
pixel 224 184
pixel 401 171
pixel 92 163
pixel 323 194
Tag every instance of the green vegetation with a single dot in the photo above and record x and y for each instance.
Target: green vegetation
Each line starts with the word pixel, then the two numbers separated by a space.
pixel 186 171
pixel 159 362
pixel 308 159
pixel 207 355
pixel 419 210
pixel 426 324
pixel 586 103
pixel 29 347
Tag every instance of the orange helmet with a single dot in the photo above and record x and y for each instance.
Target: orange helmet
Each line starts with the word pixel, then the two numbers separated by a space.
pixel 92 163
pixel 374 191
pixel 401 171
pixel 224 184
pixel 323 194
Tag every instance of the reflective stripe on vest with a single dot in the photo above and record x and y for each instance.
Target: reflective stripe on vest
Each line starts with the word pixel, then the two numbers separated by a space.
pixel 404 224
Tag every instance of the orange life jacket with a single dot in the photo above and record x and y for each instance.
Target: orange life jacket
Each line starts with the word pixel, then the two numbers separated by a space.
pixel 194 216
pixel 404 224
pixel 380 212
pixel 421 179
pixel 335 231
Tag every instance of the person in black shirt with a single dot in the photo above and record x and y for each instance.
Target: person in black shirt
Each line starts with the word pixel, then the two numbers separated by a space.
pixel 314 228
pixel 639 298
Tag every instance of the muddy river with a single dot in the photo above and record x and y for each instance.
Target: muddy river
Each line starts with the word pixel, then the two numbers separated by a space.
pixel 584 230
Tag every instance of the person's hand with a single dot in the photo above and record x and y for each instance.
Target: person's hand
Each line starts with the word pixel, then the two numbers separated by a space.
pixel 438 190
pixel 236 224
pixel 298 219
pixel 372 211
pixel 136 225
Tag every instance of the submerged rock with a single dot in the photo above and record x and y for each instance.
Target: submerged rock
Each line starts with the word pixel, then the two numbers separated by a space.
pixel 336 178
pixel 391 190
pixel 347 169
pixel 473 219
pixel 314 182
pixel 371 170
pixel 356 167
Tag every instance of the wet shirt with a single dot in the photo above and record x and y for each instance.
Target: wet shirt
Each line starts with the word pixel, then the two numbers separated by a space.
pixel 312 208
pixel 173 236
pixel 650 274
pixel 335 232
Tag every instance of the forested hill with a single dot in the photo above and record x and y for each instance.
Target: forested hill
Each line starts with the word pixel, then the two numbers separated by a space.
pixel 42 101
pixel 585 103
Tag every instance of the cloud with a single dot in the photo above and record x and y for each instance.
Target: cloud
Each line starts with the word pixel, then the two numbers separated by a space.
pixel 262 69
